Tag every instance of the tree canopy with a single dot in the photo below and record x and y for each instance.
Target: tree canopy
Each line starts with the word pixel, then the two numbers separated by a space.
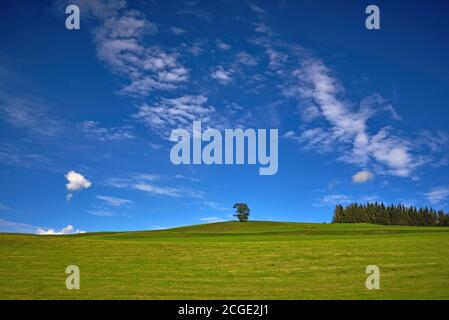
pixel 241 212
pixel 379 213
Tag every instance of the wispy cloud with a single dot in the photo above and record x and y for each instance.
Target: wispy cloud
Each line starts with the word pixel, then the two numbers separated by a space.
pixel 16 156
pixel 149 183
pixel 197 13
pixel 177 31
pixel 174 113
pixel 180 176
pixel 244 58
pixel 120 45
pixel 222 45
pixel 255 8
pixel 30 114
pixel 93 130
pixel 114 201
pixel 163 191
pixel 332 200
pixel 101 213
pixel 215 206
pixel 4 207
pixel 17 227
pixel 347 131
pixel 437 195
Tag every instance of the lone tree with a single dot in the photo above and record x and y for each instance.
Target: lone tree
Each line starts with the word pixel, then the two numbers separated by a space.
pixel 241 212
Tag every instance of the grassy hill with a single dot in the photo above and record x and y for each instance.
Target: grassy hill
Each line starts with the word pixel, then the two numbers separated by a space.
pixel 231 260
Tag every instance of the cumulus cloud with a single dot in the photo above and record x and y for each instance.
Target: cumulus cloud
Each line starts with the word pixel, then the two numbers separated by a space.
pixel 362 176
pixel 222 76
pixel 69 229
pixel 18 227
pixel 75 182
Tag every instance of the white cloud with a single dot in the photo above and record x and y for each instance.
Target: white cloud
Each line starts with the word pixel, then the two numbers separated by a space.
pixel 4 207
pixel 261 27
pixel 362 176
pixel 222 76
pixel 30 114
pixel 437 195
pixel 332 200
pixel 180 176
pixel 147 177
pixel 277 60
pixel 75 182
pixel 245 58
pixel 69 229
pixel 101 213
pixel 13 155
pixel 198 13
pixel 114 201
pixel 177 31
pixel 223 45
pixel 256 8
pixel 348 132
pixel 215 206
pixel 147 183
pixel 174 113
pixel 163 191
pixel 17 227
pixel 93 130
pixel 435 142
pixel 120 45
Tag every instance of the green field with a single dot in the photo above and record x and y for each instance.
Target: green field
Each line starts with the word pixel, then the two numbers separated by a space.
pixel 231 260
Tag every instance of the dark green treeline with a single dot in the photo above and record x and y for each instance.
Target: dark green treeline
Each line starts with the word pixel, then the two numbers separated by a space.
pixel 379 213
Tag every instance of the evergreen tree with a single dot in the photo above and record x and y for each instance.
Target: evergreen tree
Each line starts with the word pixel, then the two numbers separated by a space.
pixel 378 213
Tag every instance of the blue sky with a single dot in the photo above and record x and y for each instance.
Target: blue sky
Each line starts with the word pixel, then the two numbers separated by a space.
pixel 362 114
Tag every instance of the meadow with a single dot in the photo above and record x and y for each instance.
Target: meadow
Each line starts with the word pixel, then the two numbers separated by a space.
pixel 231 260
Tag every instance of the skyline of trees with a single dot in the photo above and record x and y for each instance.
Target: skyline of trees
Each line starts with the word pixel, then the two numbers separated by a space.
pixel 379 213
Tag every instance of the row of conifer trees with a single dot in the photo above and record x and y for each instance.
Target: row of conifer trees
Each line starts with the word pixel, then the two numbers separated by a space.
pixel 379 213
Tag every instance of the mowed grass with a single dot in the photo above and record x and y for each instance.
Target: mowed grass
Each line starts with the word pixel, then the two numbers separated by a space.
pixel 231 260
